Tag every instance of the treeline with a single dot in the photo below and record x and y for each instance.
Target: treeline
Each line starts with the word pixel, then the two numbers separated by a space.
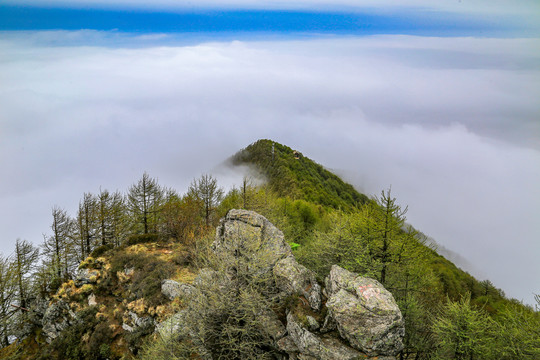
pixel 103 221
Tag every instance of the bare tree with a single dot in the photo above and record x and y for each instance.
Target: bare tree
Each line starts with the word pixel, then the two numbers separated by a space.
pixel 7 298
pixel 86 224
pixel 58 247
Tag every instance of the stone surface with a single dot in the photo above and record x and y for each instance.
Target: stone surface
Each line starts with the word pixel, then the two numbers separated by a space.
pixel 318 347
pixel 270 325
pixel 293 278
pixel 173 326
pixel 365 313
pixel 57 317
pixel 134 321
pixel 86 276
pixel 173 289
pixel 248 235
pixel 313 323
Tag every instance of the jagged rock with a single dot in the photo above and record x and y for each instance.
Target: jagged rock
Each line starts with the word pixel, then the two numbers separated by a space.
pixel 318 347
pixel 135 321
pixel 287 344
pixel 312 322
pixel 270 325
pixel 86 276
pixel 173 289
pixel 365 313
pixel 293 278
pixel 246 234
pixel 57 317
pixel 329 324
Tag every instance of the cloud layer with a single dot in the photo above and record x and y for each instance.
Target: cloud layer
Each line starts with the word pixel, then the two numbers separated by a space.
pixel 451 124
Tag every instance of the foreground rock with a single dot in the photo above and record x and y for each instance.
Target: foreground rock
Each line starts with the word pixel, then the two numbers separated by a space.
pixel 363 320
pixel 319 347
pixel 364 312
pixel 250 236
pixel 293 278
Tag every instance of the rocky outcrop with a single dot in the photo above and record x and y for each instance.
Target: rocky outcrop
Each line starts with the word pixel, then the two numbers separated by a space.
pixel 132 321
pixel 364 312
pixel 318 346
pixel 173 289
pixel 57 317
pixel 250 236
pixel 363 320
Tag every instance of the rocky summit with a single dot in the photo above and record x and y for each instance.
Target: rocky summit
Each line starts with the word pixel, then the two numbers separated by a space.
pixel 362 319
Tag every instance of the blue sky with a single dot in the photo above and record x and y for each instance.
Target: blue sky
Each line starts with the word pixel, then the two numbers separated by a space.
pixel 437 98
pixel 427 21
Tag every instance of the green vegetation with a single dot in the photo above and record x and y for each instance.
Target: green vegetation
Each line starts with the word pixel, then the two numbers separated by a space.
pixel 128 243
pixel 290 174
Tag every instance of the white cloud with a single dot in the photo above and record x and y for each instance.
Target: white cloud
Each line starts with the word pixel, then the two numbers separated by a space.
pixel 451 123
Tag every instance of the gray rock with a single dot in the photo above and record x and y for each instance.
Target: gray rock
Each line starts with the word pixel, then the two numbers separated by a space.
pixel 250 236
pixel 135 321
pixel 293 278
pixel 57 317
pixel 173 326
pixel 173 289
pixel 86 276
pixel 313 323
pixel 270 325
pixel 287 344
pixel 311 346
pixel 365 313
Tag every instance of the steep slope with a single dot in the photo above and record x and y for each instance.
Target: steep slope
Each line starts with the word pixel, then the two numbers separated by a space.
pixel 291 174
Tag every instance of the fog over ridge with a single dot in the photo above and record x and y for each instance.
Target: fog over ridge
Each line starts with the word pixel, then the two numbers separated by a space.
pixel 450 123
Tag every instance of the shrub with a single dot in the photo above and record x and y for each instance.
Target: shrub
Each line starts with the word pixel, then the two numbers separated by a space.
pixel 141 239
pixel 100 250
pixel 148 274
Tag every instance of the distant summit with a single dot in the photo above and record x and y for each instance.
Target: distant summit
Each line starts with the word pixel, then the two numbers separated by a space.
pixel 291 174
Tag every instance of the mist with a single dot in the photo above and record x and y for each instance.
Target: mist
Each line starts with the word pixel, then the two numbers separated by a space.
pixel 451 124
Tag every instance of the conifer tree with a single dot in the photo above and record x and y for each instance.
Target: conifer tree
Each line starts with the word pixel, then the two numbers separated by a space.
pixel 206 190
pixel 145 199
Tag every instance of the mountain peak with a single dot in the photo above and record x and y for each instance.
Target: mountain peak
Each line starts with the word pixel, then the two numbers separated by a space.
pixel 294 175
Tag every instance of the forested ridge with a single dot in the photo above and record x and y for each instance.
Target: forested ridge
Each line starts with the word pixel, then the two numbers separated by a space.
pixel 108 261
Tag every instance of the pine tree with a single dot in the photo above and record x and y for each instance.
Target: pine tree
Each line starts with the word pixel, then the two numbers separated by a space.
pixel 145 199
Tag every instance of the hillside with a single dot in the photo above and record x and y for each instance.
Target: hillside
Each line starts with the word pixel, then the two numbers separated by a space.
pixel 146 275
pixel 290 173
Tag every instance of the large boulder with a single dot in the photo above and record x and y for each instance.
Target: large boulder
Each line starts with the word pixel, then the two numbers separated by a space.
pixel 173 289
pixel 252 238
pixel 309 345
pixel 173 326
pixel 364 312
pixel 293 278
